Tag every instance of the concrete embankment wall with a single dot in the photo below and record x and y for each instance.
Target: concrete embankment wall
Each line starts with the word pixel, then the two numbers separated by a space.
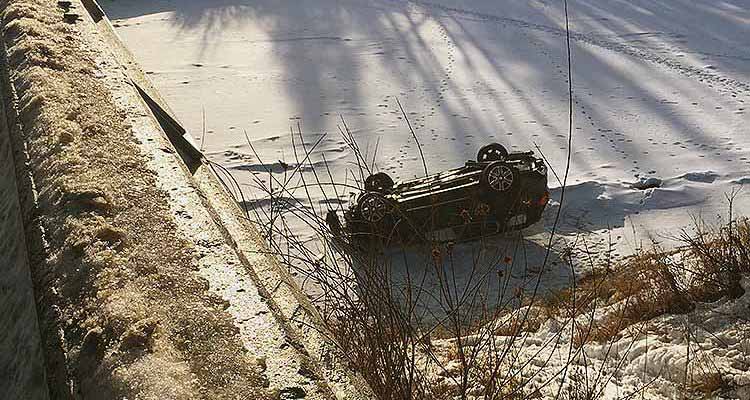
pixel 22 372
pixel 147 280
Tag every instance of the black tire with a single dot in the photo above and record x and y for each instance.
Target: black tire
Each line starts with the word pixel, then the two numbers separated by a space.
pixel 379 182
pixel 373 207
pixel 492 152
pixel 333 222
pixel 499 177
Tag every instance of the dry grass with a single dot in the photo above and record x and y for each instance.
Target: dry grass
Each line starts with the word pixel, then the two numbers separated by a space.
pixel 382 334
pixel 718 258
pixel 709 384
pixel 114 274
pixel 515 323
pixel 656 282
pixel 391 345
pixel 378 319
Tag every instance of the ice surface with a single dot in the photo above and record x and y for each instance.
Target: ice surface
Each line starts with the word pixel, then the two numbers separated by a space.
pixel 660 92
pixel 468 73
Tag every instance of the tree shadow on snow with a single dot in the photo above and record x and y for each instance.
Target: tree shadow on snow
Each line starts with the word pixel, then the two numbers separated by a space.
pixel 472 279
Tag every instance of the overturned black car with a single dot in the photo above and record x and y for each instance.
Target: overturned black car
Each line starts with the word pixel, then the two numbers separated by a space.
pixel 498 192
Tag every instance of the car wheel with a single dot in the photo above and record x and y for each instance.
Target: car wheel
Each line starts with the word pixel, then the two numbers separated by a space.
pixel 492 152
pixel 499 177
pixel 379 182
pixel 373 207
pixel 333 222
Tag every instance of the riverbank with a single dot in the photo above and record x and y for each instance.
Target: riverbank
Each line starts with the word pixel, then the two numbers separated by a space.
pixel 141 288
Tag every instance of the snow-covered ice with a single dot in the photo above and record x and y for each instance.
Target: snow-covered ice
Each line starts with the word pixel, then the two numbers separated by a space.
pixel 647 106
pixel 661 93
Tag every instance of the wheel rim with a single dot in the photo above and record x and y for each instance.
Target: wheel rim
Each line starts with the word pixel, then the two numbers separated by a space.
pixel 500 178
pixel 373 208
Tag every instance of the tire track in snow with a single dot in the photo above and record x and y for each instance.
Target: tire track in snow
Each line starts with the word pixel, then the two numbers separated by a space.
pixel 732 85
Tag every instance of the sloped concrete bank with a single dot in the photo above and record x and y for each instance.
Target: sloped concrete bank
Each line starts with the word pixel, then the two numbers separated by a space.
pixel 22 373
pixel 148 282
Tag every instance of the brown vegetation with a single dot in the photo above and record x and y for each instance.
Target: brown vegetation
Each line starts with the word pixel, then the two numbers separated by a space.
pixel 377 322
pixel 117 279
pixel 708 267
